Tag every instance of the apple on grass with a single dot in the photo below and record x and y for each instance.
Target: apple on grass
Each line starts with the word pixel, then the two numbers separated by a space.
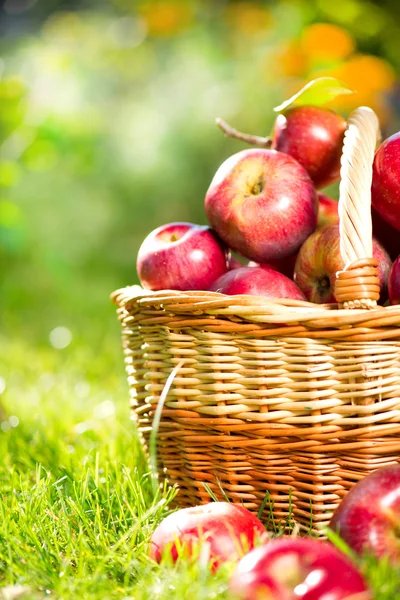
pixel 262 204
pixel 314 137
pixel 293 568
pixel 257 281
pixel 181 256
pixel 226 531
pixel 368 517
pixel 385 190
pixel 319 260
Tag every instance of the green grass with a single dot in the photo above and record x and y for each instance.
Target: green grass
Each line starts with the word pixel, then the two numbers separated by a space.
pixel 77 501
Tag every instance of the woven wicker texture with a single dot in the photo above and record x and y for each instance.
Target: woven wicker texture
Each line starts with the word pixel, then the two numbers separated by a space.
pixel 285 397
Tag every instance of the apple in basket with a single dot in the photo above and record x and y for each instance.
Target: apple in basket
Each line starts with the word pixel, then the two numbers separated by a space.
pixel 394 282
pixel 385 190
pixel 292 568
pixel 257 281
pixel 181 256
pixel 314 137
pixel 217 531
pixel 319 260
pixel 284 265
pixel 386 234
pixel 262 203
pixel 235 263
pixel 368 517
pixel 327 210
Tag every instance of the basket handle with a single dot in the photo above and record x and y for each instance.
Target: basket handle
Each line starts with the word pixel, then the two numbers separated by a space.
pixel 357 285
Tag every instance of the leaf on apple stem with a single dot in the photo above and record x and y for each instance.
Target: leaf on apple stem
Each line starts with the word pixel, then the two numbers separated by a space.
pixel 253 140
pixel 316 93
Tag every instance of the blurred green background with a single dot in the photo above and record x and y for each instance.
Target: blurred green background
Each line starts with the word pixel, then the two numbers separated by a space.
pixel 107 130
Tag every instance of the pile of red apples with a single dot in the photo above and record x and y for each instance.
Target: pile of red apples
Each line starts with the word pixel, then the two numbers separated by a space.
pixel 272 232
pixel 289 567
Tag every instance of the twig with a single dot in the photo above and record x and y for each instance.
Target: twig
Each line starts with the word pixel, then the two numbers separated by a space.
pixel 253 140
pixel 156 425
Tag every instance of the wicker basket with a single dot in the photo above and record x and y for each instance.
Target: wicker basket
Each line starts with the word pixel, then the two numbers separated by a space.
pixel 286 397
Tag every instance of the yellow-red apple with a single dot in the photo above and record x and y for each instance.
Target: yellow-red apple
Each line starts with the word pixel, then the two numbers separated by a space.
pixel 319 260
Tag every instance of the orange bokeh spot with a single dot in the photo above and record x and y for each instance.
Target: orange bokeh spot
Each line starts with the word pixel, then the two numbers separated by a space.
pixel 366 73
pixel 375 100
pixel 291 60
pixel 327 41
pixel 370 77
pixel 166 18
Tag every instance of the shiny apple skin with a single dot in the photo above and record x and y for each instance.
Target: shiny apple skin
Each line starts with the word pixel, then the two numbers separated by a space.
pixel 387 235
pixel 262 204
pixel 314 137
pixel 230 530
pixel 234 263
pixel 319 260
pixel 284 266
pixel 385 190
pixel 327 210
pixel 368 517
pixel 300 569
pixel 181 256
pixel 257 281
pixel 394 282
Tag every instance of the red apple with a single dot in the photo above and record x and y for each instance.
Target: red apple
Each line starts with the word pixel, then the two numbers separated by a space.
pixel 385 190
pixel 181 256
pixel 394 282
pixel 368 517
pixel 262 203
pixel 229 531
pixel 319 260
pixel 293 568
pixel 234 263
pixel 284 265
pixel 327 210
pixel 387 235
pixel 257 281
pixel 314 137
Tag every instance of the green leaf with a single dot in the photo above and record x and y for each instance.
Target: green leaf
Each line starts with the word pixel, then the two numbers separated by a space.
pixel 316 92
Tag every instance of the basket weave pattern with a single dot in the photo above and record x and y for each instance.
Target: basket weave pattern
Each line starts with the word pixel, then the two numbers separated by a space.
pixel 285 397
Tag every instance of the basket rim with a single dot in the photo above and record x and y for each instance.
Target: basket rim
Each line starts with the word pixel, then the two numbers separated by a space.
pixel 283 312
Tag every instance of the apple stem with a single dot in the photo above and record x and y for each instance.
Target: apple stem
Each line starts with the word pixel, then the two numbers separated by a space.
pixel 253 140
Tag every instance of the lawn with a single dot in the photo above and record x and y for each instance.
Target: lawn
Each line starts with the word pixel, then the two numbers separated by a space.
pixel 78 502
